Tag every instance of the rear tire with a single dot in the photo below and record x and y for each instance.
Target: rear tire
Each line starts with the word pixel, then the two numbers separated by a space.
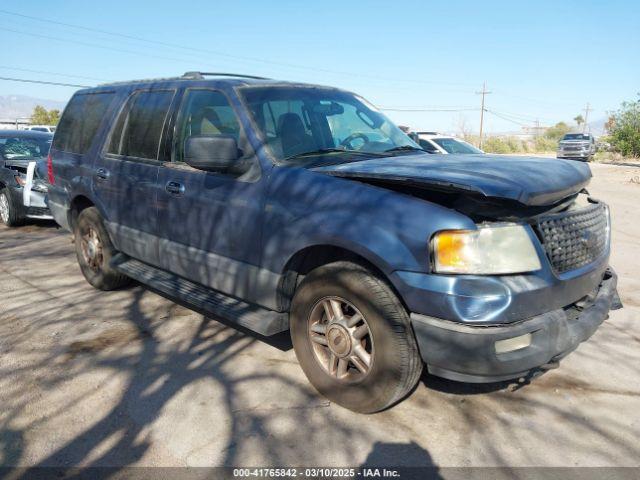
pixel 10 213
pixel 367 359
pixel 95 251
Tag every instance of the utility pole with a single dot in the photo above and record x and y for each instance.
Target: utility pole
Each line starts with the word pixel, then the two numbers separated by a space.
pixel 586 116
pixel 483 93
pixel 537 134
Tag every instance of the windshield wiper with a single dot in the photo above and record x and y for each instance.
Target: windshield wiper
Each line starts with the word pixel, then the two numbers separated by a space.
pixel 404 148
pixel 324 151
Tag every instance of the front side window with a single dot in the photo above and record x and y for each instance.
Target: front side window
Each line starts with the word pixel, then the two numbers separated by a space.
pixel 80 121
pixel 204 112
pixel 301 121
pixel 138 131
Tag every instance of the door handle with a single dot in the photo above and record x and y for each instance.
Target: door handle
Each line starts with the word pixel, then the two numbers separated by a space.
pixel 174 188
pixel 102 174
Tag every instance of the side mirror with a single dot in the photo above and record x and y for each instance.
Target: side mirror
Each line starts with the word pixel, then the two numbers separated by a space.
pixel 215 153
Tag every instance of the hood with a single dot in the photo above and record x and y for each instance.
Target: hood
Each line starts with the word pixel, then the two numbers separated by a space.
pixel 531 181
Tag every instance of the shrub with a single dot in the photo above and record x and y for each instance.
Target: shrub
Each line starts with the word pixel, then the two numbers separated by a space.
pixel 625 129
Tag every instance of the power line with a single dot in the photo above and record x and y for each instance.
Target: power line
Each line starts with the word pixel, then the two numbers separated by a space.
pixel 24 80
pixel 6 67
pixel 506 118
pixel 203 51
pixel 94 45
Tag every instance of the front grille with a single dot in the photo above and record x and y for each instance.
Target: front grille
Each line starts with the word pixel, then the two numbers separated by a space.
pixel 575 238
pixel 571 148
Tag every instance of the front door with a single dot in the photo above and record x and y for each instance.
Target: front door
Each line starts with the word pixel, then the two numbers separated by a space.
pixel 210 222
pixel 126 174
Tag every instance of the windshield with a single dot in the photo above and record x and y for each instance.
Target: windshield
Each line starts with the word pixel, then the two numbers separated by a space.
pixel 16 148
pixel 295 121
pixel 451 145
pixel 576 136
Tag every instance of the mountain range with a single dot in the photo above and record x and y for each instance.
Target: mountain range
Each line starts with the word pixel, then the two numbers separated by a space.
pixel 21 106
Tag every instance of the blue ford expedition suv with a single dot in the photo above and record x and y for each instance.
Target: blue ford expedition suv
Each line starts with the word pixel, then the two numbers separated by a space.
pixel 284 206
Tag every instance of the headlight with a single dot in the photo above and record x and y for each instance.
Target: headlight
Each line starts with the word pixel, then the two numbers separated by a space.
pixel 489 250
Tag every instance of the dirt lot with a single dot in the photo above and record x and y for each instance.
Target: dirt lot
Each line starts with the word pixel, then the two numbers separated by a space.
pixel 128 377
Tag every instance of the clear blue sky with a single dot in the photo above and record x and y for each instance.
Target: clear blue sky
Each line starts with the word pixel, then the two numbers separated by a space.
pixel 542 59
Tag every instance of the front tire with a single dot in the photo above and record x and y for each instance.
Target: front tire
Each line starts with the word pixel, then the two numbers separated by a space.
pixel 94 251
pixel 10 213
pixel 353 338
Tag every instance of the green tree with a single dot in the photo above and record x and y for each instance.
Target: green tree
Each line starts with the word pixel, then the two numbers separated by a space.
pixel 625 129
pixel 579 120
pixel 42 116
pixel 557 131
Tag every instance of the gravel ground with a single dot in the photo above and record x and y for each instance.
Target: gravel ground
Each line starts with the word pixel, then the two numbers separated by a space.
pixel 89 378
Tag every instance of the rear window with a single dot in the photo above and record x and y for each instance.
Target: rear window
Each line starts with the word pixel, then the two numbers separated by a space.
pixel 23 148
pixel 80 122
pixel 139 128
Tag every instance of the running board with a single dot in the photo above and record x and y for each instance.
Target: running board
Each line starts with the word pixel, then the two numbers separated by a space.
pixel 193 295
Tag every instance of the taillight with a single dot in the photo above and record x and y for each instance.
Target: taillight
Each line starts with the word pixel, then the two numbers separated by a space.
pixel 52 178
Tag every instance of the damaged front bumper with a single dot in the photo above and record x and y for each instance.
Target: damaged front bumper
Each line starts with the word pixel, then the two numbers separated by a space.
pixel 489 353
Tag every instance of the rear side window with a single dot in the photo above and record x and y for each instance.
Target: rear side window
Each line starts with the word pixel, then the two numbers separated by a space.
pixel 139 127
pixel 80 122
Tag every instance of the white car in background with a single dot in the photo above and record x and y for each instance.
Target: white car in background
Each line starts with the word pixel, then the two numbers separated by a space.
pixel 433 142
pixel 41 128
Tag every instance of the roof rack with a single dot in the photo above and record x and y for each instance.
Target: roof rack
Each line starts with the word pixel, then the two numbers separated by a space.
pixel 201 75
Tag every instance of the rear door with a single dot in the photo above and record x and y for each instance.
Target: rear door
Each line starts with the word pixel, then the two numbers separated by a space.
pixel 126 173
pixel 210 222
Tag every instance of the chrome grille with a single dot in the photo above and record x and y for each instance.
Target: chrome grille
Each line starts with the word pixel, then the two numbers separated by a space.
pixel 575 238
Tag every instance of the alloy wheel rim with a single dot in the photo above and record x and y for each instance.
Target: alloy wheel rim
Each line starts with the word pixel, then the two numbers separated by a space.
pixel 4 208
pixel 341 339
pixel 92 249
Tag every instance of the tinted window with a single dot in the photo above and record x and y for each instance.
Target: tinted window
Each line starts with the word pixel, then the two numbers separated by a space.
pixel 80 122
pixel 139 127
pixel 205 112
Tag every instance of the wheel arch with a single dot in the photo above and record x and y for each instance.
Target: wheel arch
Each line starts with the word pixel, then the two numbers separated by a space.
pixel 313 256
pixel 77 205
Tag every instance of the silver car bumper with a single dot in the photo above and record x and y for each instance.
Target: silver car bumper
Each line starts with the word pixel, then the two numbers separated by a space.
pixel 574 154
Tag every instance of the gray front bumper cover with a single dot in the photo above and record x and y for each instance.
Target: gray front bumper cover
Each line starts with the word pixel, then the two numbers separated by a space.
pixel 467 353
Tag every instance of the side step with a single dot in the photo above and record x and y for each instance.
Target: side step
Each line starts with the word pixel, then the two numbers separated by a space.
pixel 253 317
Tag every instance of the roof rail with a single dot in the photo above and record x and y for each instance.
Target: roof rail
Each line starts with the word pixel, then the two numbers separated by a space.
pixel 201 75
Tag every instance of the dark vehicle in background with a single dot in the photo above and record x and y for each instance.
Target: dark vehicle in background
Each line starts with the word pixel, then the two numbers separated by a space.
pixel 283 206
pixel 577 146
pixel 22 189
